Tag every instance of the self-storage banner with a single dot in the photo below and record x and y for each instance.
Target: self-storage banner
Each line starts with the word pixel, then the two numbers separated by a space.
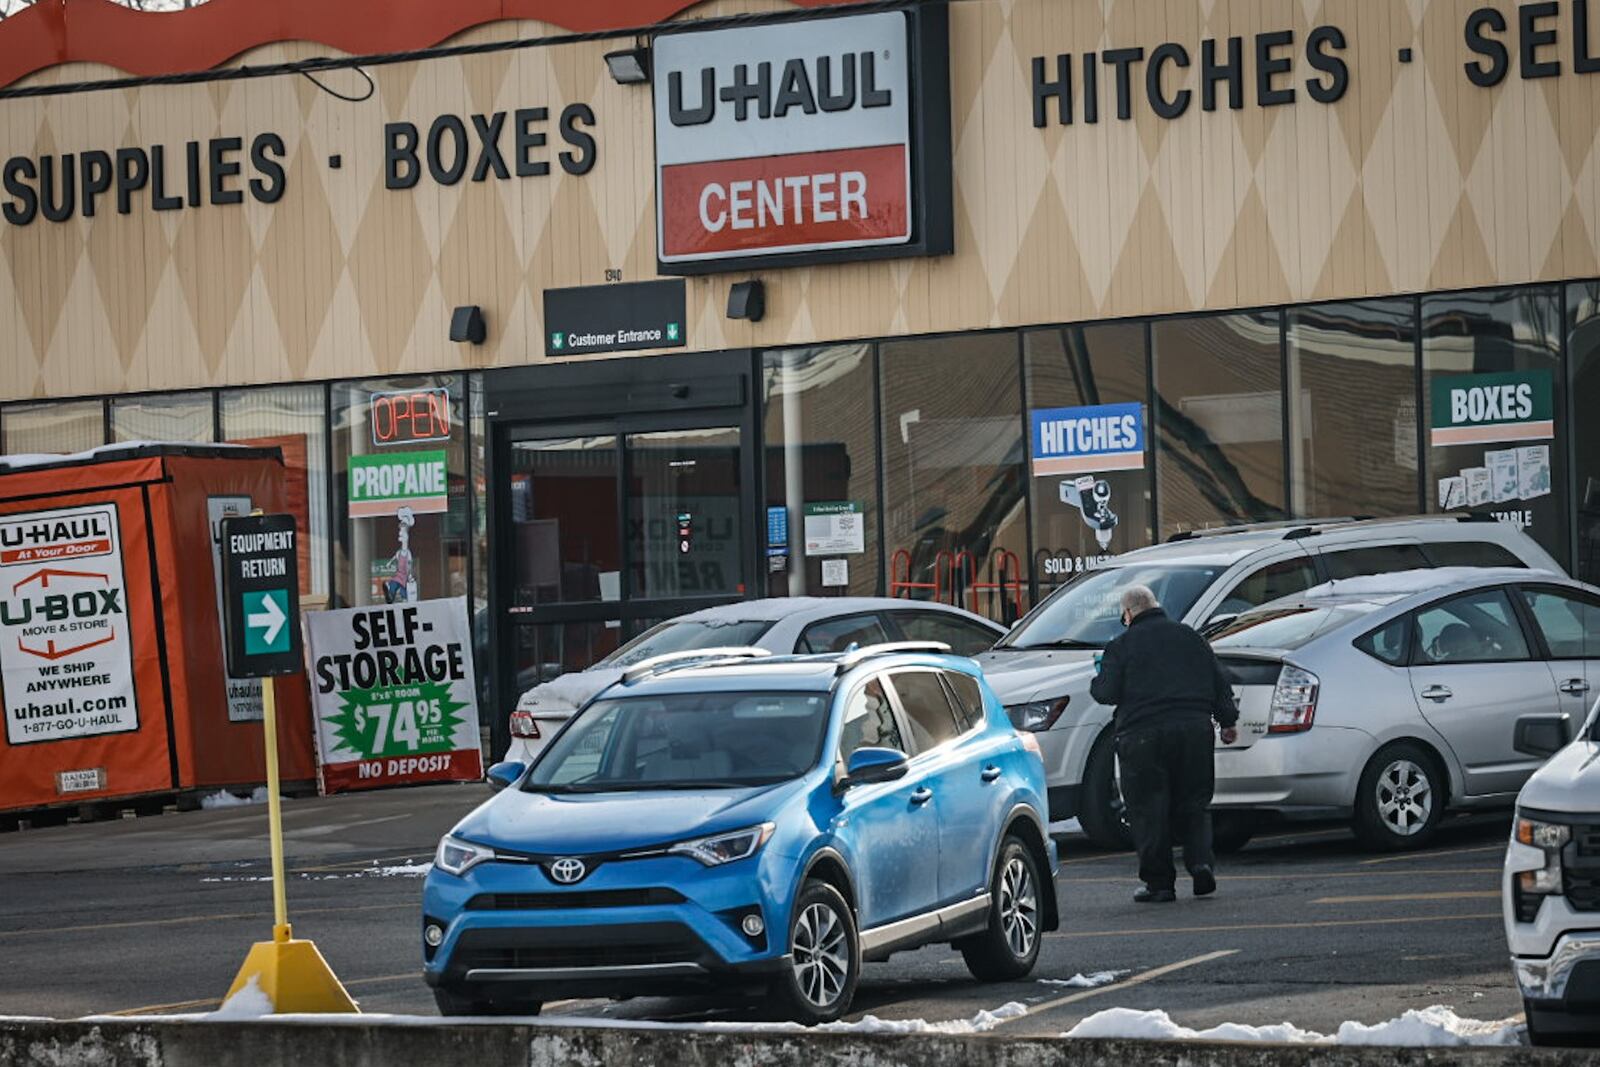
pixel 1473 409
pixel 802 137
pixel 66 652
pixel 1091 440
pixel 394 693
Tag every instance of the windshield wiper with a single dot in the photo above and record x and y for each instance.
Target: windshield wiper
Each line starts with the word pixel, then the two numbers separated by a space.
pixel 1065 642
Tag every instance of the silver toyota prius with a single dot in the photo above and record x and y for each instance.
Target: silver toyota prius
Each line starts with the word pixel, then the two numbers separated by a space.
pixel 1393 699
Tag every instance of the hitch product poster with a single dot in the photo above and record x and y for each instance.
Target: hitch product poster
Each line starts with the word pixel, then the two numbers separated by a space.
pixel 66 651
pixel 394 695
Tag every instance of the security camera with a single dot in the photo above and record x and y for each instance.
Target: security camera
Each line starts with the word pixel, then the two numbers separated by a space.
pixel 1092 497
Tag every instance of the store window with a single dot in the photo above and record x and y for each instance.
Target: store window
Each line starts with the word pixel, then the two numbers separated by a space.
pixel 1089 460
pixel 1352 369
pixel 292 419
pixel 821 471
pixel 953 471
pixel 1219 421
pixel 60 427
pixel 185 417
pixel 400 491
pixel 1583 349
pixel 1493 392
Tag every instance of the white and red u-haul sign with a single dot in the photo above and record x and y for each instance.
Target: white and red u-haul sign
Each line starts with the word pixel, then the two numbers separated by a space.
pixel 791 138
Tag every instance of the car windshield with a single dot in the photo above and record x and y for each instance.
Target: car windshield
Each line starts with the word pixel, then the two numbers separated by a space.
pixel 685 741
pixel 1088 613
pixel 1284 628
pixel 680 635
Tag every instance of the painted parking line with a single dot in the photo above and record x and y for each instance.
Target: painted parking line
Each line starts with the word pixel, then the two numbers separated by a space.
pixel 1138 979
pixel 1317 924
pixel 1223 878
pixel 189 920
pixel 1414 857
pixel 1386 898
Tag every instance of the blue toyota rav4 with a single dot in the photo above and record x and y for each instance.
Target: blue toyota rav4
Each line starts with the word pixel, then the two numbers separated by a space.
pixel 727 818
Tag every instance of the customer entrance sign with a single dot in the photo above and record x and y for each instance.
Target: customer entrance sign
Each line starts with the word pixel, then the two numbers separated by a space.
pixel 261 595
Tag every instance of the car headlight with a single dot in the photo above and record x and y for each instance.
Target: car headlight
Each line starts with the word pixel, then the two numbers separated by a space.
pixel 724 848
pixel 1532 887
pixel 1037 716
pixel 457 857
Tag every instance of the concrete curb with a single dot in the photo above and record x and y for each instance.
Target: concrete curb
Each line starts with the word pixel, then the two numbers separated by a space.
pixel 145 1043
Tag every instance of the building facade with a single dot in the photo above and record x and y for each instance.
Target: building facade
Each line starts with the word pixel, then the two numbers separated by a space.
pixel 1036 282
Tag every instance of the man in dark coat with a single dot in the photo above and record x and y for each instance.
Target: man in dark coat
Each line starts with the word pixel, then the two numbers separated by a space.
pixel 1167 687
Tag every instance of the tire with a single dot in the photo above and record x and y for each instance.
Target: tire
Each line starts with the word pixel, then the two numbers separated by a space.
pixel 820 983
pixel 1232 830
pixel 1400 799
pixel 1101 814
pixel 455 1001
pixel 1009 946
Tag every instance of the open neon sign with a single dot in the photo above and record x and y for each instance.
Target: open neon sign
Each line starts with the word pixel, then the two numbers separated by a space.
pixel 410 416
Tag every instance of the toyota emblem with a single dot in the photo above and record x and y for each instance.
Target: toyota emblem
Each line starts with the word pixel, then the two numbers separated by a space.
pixel 568 871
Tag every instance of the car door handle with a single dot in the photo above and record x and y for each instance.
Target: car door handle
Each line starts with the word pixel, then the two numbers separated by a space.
pixel 922 796
pixel 1574 686
pixel 1437 692
pixel 990 773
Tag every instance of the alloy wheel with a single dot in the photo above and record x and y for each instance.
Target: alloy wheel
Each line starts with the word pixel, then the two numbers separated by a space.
pixel 821 955
pixel 1019 908
pixel 1405 797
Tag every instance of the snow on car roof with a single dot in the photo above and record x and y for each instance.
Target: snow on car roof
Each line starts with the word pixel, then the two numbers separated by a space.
pixel 772 609
pixel 1396 584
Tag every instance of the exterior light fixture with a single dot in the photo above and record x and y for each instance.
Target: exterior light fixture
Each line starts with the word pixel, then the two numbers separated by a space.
pixel 466 324
pixel 747 300
pixel 630 66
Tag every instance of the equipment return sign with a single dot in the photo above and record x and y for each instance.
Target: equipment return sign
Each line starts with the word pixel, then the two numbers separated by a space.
pixel 261 595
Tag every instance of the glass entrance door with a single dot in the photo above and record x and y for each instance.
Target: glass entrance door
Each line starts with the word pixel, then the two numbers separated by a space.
pixel 605 531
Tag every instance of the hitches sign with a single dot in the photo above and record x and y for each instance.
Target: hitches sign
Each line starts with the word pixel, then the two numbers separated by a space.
pixel 65 648
pixel 1483 408
pixel 394 694
pixel 1106 437
pixel 803 141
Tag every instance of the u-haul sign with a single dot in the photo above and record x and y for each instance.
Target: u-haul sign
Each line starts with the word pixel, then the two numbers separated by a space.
pixel 784 138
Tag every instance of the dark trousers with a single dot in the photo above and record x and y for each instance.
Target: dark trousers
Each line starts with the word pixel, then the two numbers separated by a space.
pixel 1167 779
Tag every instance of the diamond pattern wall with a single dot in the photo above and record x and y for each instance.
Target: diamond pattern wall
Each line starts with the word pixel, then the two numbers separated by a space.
pixel 1415 180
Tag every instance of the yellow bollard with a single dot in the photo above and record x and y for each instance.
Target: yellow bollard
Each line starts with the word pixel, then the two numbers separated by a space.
pixel 292 973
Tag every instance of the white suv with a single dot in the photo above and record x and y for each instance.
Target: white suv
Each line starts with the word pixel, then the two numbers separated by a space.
pixel 1551 895
pixel 1042 668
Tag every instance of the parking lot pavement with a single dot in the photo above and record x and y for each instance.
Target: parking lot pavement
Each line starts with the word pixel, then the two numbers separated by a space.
pixel 156 914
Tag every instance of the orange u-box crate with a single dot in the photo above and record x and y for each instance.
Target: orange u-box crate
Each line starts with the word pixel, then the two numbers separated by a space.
pixel 111 664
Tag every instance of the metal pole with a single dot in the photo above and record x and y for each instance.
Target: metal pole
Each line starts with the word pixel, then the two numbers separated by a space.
pixel 269 721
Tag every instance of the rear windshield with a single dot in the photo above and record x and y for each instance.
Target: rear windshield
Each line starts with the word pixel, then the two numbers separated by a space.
pixel 1285 628
pixel 681 635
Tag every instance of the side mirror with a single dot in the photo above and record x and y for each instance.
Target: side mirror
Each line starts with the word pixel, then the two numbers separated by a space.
pixel 504 774
pixel 1542 738
pixel 869 765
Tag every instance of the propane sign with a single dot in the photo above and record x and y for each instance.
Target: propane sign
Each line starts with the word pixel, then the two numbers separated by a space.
pixel 66 651
pixel 801 137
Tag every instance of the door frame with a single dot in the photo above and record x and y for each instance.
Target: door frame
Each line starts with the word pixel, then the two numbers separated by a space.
pixel 612 397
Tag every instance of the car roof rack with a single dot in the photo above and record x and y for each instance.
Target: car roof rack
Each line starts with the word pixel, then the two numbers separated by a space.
pixel 699 657
pixel 1295 529
pixel 886 648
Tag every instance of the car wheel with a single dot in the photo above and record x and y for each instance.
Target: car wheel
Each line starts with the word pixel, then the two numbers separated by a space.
pixel 455 1001
pixel 1400 799
pixel 825 956
pixel 1009 946
pixel 1101 814
pixel 1232 830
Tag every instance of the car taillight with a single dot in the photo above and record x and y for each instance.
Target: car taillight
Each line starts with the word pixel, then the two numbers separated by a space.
pixel 523 725
pixel 1294 701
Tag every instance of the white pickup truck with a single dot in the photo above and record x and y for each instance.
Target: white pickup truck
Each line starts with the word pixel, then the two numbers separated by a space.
pixel 1551 893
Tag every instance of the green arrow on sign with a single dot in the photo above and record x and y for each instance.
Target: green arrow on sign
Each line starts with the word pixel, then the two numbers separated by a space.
pixel 555 340
pixel 266 622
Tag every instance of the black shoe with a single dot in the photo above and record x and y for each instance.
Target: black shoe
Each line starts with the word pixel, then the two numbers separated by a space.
pixel 1205 882
pixel 1154 896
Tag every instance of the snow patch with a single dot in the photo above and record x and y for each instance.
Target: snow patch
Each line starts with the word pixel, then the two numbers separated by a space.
pixel 979 1023
pixel 402 870
pixel 250 1002
pixel 1085 981
pixel 1069 826
pixel 224 799
pixel 1434 1026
